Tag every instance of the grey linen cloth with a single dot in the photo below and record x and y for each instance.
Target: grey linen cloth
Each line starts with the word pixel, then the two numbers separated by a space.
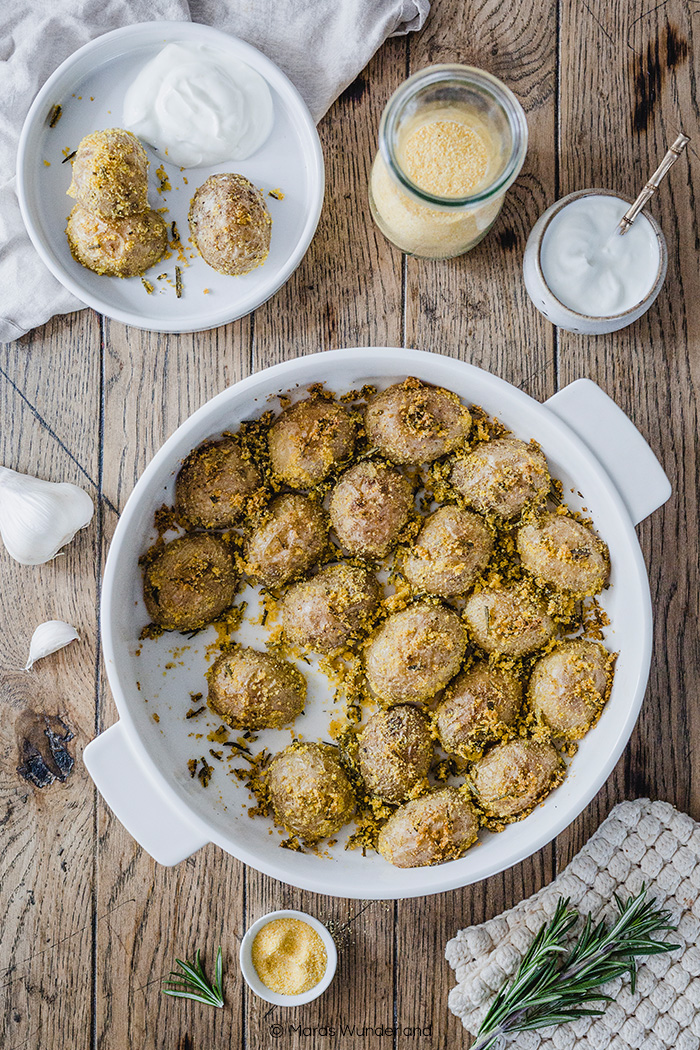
pixel 320 44
pixel 640 843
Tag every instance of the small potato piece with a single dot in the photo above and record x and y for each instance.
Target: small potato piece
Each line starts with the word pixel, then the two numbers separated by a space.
pixel 230 224
pixel 483 704
pixel 289 541
pixel 415 652
pixel 310 792
pixel 395 752
pixel 189 582
pixel 116 247
pixel 453 548
pixel 324 612
pixel 213 484
pixel 413 423
pixel 564 554
pixel 438 827
pixel 503 477
pixel 254 690
pixel 512 778
pixel 369 506
pixel 569 687
pixel 508 620
pixel 309 439
pixel 110 175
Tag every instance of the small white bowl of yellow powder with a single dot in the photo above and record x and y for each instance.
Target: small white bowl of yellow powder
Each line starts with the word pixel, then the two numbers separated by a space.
pixel 288 958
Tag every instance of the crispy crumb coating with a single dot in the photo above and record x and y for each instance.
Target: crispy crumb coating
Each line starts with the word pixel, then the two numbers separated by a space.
pixel 213 484
pixel 230 224
pixel 513 777
pixel 502 477
pixel 415 652
pixel 110 174
pixel 116 247
pixel 429 830
pixel 325 612
pixel 310 792
pixel 508 620
pixel 568 687
pixel 452 550
pixel 395 752
pixel 481 707
pixel 288 542
pixel 255 690
pixel 309 439
pixel 564 554
pixel 369 506
pixel 413 423
pixel 189 582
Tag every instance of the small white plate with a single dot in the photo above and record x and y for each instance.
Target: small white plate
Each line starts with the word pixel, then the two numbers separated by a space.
pixel 251 974
pixel 90 88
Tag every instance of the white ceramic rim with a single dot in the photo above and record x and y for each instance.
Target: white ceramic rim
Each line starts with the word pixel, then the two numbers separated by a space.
pixel 250 974
pixel 660 273
pixel 396 361
pixel 272 73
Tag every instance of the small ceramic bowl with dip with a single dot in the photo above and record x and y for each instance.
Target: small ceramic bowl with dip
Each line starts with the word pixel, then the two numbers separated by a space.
pixel 288 958
pixel 582 275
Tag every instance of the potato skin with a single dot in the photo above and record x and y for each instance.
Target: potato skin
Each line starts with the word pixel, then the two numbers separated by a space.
pixel 288 542
pixel 568 687
pixel 254 690
pixel 413 423
pixel 110 174
pixel 116 247
pixel 415 652
pixel 324 612
pixel 230 224
pixel 369 507
pixel 189 583
pixel 564 554
pixel 512 778
pixel 395 752
pixel 214 483
pixel 309 439
pixel 429 830
pixel 502 477
pixel 452 550
pixel 310 792
pixel 508 620
pixel 482 705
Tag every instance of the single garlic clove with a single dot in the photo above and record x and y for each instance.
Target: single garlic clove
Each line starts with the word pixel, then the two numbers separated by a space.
pixel 38 517
pixel 48 638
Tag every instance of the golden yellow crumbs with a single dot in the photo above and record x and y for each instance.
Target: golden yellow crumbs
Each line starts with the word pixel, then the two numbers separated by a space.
pixel 445 158
pixel 289 956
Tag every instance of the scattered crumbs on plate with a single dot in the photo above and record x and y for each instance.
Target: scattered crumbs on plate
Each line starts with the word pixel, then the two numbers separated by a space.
pixel 205 773
pixel 184 179
pixel 178 279
pixel 54 116
pixel 156 717
pixel 277 194
pixel 192 713
pixel 92 98
pixel 150 289
pixel 47 163
pixel 192 766
pixel 206 291
pixel 164 180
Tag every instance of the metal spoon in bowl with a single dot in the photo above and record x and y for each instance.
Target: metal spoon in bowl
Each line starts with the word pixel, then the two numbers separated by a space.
pixel 653 184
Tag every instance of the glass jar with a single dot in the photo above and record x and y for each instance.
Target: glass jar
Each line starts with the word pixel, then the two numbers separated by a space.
pixel 452 139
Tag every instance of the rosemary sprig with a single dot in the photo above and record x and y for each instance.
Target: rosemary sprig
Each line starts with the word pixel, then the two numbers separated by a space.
pixel 192 982
pixel 555 984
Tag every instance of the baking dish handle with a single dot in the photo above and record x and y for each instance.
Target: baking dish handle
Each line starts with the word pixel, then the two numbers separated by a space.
pixel 615 441
pixel 137 801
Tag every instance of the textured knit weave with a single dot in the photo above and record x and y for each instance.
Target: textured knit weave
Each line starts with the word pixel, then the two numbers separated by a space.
pixel 640 842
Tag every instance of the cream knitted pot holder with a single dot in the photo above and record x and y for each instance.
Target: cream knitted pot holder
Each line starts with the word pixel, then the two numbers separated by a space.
pixel 640 842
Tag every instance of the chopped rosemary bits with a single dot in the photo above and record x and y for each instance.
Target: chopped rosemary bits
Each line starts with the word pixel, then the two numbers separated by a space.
pixel 178 279
pixel 148 286
pixel 54 116
pixel 69 157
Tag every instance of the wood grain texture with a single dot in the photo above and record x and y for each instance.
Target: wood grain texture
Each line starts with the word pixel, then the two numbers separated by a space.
pixel 89 924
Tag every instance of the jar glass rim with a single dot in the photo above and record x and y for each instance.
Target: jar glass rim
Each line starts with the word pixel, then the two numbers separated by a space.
pixel 489 85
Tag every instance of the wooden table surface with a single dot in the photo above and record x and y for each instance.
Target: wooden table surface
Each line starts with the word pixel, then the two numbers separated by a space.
pixel 89 923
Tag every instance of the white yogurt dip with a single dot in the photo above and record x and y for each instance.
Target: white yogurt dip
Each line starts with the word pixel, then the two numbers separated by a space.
pixel 589 267
pixel 197 106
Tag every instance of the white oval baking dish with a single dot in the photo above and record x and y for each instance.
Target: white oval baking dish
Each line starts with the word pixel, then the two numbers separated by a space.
pixel 140 763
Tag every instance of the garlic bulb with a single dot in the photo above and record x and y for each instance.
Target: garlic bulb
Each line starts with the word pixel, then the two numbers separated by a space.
pixel 37 517
pixel 48 638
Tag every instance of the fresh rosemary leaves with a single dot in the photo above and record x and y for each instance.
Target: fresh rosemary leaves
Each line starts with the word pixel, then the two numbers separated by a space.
pixel 555 984
pixel 192 982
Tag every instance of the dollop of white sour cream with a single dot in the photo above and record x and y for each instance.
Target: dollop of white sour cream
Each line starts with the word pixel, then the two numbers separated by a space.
pixel 592 269
pixel 197 106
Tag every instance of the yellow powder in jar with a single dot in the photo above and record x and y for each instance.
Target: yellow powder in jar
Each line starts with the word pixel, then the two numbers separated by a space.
pixel 289 956
pixel 445 158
